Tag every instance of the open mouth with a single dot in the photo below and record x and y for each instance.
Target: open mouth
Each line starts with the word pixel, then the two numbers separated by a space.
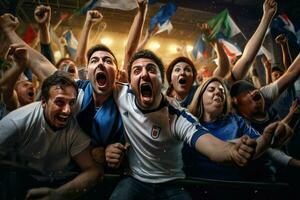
pixel 218 99
pixel 256 97
pixel 101 79
pixel 30 93
pixel 146 90
pixel 63 118
pixel 182 81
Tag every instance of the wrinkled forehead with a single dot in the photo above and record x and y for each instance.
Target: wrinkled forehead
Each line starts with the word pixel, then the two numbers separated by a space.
pixel 182 65
pixel 102 54
pixel 143 62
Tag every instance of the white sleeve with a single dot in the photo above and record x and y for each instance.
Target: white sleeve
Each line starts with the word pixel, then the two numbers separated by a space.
pixel 278 156
pixel 270 91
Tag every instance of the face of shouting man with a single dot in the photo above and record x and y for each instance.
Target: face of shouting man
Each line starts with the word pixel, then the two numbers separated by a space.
pixel 101 72
pixel 146 82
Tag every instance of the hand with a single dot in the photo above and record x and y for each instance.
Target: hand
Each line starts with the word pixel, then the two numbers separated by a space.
pixel 8 22
pixel 18 53
pixel 277 133
pixel 121 76
pixel 93 16
pixel 243 150
pixel 295 107
pixel 281 39
pixel 43 193
pixel 142 4
pixel 265 62
pixel 42 14
pixel 98 155
pixel 114 154
pixel 206 30
pixel 270 8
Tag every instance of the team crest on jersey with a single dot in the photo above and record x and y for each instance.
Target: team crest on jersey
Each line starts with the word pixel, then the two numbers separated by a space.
pixel 155 132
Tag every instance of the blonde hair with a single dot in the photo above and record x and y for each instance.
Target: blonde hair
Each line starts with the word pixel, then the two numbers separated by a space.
pixel 196 107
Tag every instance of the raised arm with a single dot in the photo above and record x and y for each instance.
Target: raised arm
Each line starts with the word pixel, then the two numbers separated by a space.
pixel 290 76
pixel 267 66
pixel 16 56
pixel 284 46
pixel 135 32
pixel 40 65
pixel 252 47
pixel 42 15
pixel 92 18
pixel 223 61
pixel 91 174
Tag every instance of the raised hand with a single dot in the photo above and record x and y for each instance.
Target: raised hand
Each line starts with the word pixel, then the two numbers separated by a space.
pixel 18 53
pixel 243 150
pixel 270 8
pixel 142 4
pixel 8 22
pixel 42 14
pixel 93 16
pixel 114 154
pixel 277 133
pixel 281 39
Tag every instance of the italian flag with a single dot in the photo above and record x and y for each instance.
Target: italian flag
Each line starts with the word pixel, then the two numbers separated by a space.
pixel 222 23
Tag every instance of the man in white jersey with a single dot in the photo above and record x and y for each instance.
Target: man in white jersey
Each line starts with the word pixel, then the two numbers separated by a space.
pixel 156 130
pixel 45 137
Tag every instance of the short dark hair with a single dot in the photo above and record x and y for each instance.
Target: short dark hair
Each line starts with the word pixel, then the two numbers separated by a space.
pixel 150 55
pixel 241 86
pixel 177 60
pixel 62 60
pixel 60 78
pixel 100 47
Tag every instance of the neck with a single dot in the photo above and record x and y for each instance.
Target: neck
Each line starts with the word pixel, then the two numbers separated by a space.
pixel 181 97
pixel 210 117
pixel 100 99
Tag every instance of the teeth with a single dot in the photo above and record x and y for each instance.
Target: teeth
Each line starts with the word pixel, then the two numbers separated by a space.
pixel 63 116
pixel 146 90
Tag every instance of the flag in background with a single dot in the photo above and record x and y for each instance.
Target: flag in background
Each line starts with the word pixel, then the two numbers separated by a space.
pixel 232 50
pixel 288 25
pixel 167 26
pixel 29 35
pixel 163 15
pixel 114 4
pixel 222 23
pixel 200 48
pixel 72 43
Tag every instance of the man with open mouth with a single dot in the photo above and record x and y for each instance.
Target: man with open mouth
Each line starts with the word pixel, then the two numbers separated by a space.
pixel 44 136
pixel 156 130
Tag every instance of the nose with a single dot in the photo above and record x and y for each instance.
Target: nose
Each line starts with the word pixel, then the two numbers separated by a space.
pixel 145 74
pixel 66 109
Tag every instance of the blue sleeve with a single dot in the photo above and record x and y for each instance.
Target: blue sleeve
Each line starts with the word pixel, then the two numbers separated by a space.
pixel 46 50
pixel 245 128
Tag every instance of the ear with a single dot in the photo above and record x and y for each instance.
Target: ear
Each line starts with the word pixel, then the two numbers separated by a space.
pixel 43 100
pixel 234 101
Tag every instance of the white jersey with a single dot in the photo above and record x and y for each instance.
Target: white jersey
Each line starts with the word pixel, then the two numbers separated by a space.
pixel 43 149
pixel 156 137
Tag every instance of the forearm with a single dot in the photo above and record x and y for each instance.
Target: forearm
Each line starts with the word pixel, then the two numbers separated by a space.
pixel 223 61
pixel 263 143
pixel 44 34
pixel 82 44
pixel 268 75
pixel 134 36
pixel 286 55
pixel 252 47
pixel 40 65
pixel 215 149
pixel 80 184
